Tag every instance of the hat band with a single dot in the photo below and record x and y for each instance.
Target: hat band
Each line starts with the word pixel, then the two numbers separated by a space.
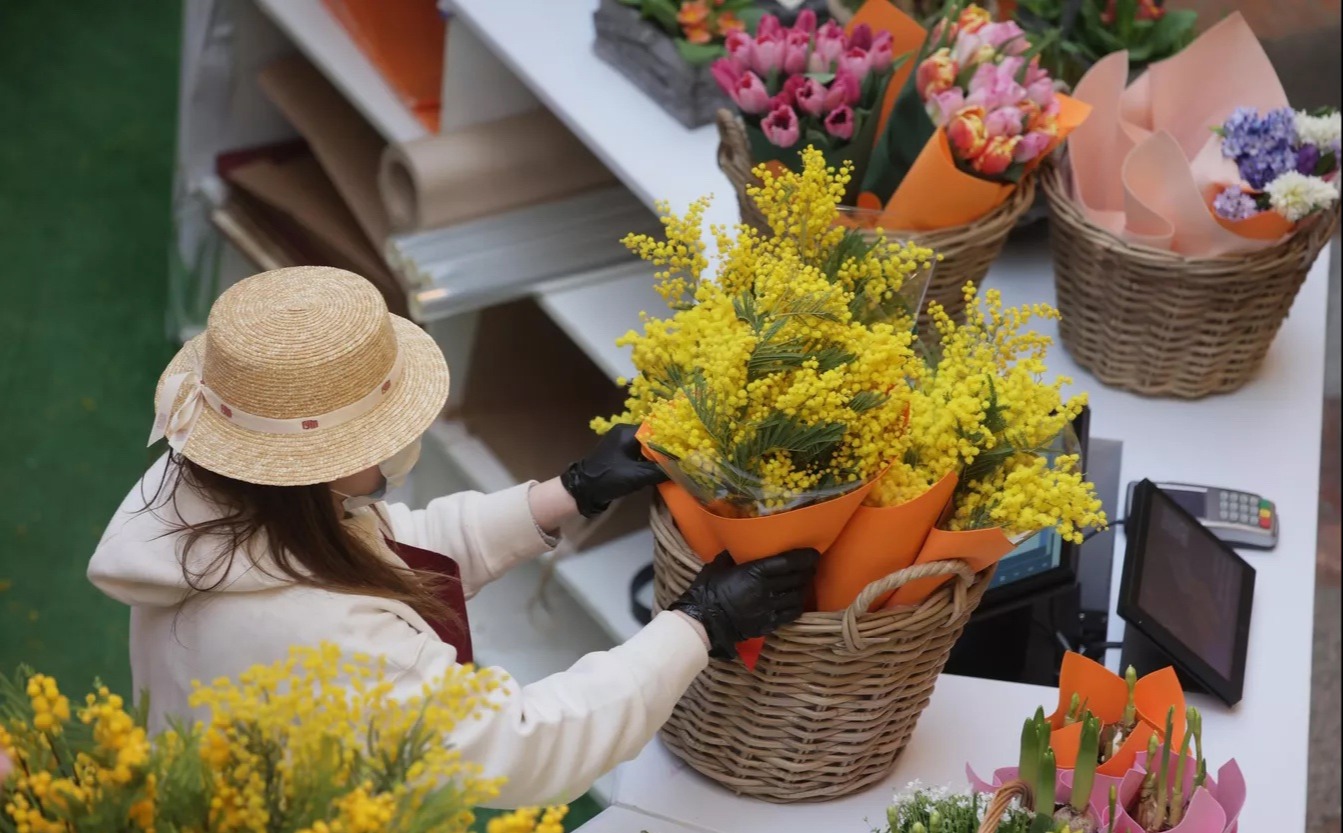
pixel 177 424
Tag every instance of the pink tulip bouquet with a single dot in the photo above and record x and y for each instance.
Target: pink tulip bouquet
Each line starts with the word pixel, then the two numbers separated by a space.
pixel 980 81
pixel 1002 120
pixel 808 85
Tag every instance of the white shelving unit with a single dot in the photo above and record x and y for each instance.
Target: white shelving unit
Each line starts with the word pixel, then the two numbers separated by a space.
pixel 321 37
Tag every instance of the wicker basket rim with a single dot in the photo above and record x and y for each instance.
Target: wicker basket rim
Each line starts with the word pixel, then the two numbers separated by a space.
pixel 1056 191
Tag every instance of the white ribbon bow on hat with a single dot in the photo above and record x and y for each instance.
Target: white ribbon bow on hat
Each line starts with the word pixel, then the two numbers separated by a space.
pixel 177 423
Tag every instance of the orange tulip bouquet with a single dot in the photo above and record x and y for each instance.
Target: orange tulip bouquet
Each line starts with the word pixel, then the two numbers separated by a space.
pixel 791 405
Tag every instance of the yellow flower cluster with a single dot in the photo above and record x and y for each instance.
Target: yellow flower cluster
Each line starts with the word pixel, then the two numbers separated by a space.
pixel 791 374
pixel 981 411
pixel 782 379
pixel 313 744
pixel 530 820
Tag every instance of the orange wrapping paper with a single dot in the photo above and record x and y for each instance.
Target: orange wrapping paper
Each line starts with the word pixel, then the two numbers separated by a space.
pixel 1266 225
pixel 937 194
pixel 979 548
pixel 1105 694
pixel 404 40
pixel 750 539
pixel 878 541
pixel 859 544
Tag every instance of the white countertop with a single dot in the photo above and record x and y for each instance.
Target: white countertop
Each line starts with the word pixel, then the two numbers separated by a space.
pixel 1264 438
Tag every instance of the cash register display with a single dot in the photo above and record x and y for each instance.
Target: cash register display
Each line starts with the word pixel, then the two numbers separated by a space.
pixel 1190 501
pixel 1191 587
pixel 1039 555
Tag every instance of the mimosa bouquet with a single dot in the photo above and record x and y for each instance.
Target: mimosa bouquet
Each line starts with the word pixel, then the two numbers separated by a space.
pixel 790 404
pixel 309 745
pixel 1066 772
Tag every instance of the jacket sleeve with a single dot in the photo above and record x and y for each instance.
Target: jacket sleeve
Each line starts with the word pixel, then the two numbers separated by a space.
pixel 486 534
pixel 552 739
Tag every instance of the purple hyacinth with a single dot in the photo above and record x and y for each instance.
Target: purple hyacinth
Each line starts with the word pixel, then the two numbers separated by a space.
pixel 1307 157
pixel 1234 204
pixel 1260 145
pixel 1258 171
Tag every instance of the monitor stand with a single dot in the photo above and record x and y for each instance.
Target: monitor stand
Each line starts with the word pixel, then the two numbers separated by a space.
pixel 1146 656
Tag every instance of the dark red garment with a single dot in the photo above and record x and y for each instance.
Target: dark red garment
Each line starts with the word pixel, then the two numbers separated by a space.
pixel 457 631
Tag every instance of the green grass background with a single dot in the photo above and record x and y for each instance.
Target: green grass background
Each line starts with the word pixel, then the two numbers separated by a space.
pixel 88 101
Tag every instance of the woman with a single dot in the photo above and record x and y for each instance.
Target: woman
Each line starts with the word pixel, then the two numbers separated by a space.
pixel 263 528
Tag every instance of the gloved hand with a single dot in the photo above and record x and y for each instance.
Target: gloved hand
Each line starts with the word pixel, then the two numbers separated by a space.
pixel 736 602
pixel 615 468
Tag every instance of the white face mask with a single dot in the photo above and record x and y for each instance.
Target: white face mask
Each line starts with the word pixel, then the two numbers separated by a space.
pixel 394 471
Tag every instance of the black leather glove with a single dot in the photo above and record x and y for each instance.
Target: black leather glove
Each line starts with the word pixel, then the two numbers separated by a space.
pixel 736 602
pixel 615 468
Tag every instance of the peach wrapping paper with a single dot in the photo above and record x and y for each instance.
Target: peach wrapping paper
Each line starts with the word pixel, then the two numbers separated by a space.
pixel 1146 164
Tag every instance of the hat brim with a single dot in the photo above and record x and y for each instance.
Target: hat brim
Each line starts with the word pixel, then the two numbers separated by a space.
pixel 327 453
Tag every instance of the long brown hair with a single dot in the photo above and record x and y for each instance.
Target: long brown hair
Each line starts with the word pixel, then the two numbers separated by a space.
pixel 301 529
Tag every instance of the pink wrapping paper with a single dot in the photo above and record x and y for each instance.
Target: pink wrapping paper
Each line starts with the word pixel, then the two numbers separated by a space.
pixel 1143 163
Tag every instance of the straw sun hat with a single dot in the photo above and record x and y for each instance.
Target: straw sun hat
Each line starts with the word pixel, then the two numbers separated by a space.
pixel 301 376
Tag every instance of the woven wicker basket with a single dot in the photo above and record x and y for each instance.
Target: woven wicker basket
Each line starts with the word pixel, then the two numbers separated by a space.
pixel 834 697
pixel 1158 323
pixel 967 251
pixel 1017 791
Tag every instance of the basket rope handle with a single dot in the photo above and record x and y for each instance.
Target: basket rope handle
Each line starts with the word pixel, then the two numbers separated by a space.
pixel 1002 799
pixel 855 641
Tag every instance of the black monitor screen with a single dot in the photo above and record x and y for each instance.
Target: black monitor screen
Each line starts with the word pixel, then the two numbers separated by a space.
pixel 1191 587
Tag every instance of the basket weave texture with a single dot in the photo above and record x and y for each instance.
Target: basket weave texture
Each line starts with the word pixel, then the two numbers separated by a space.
pixel 966 251
pixel 834 697
pixel 1158 323
pixel 1000 802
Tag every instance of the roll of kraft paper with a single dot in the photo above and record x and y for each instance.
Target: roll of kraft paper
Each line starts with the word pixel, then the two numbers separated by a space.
pixel 485 169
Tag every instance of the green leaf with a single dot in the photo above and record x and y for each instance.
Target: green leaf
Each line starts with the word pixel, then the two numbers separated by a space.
pixel 817 138
pixel 698 54
pixel 750 16
pixel 664 12
pixel 866 400
pixel 1167 36
pixel 1126 12
pixel 821 77
pixel 859 148
pixel 907 132
pixel 1326 164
